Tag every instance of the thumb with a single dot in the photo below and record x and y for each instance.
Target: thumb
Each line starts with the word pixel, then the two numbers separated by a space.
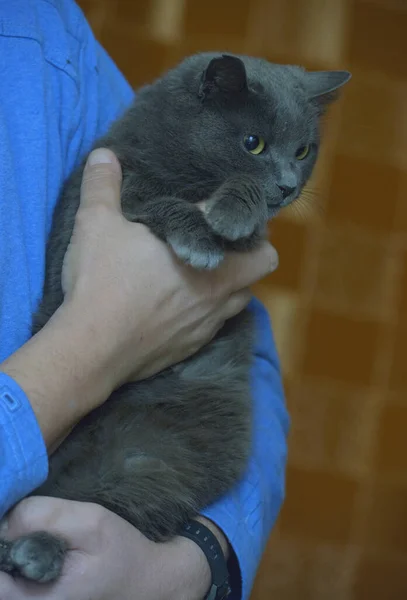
pixel 102 180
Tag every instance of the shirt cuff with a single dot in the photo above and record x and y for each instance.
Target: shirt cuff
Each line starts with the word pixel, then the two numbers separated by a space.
pixel 24 459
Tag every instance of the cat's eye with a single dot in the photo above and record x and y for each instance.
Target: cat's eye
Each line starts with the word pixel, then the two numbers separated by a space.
pixel 254 144
pixel 302 152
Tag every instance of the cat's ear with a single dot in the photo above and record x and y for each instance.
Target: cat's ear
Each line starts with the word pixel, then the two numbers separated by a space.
pixel 225 75
pixel 323 86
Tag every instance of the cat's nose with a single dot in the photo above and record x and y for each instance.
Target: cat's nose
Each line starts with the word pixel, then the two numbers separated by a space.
pixel 286 190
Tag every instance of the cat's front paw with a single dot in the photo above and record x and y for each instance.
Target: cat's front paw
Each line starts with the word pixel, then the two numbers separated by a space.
pixel 230 227
pixel 200 252
pixel 38 556
pixel 233 220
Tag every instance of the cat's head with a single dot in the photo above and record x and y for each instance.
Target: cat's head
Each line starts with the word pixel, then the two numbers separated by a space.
pixel 224 114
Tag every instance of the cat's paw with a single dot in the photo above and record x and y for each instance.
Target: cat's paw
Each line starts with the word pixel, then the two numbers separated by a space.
pixel 200 252
pixel 39 556
pixel 233 223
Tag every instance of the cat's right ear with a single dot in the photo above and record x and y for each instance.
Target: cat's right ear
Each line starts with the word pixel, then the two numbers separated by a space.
pixel 323 86
pixel 224 76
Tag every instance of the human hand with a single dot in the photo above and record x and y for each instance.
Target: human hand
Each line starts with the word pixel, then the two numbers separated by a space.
pixel 148 310
pixel 108 559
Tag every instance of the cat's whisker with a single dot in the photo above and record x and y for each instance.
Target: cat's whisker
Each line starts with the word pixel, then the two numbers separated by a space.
pixel 308 205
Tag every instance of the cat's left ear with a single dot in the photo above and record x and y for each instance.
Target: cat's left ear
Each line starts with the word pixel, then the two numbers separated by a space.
pixel 224 76
pixel 323 86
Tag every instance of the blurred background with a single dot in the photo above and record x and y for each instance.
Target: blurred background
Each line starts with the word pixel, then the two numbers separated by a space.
pixel 339 299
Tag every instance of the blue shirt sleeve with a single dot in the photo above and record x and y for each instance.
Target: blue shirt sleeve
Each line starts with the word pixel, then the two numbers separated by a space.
pixel 24 461
pixel 248 512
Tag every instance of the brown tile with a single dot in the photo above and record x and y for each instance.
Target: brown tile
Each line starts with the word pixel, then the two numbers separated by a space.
pixel 356 273
pixel 87 6
pixel 332 427
pixel 378 38
pixel 283 571
pixel 364 192
pixel 380 579
pixel 137 13
pixel 280 25
pixel 95 12
pixel 332 571
pixel 385 524
pixel 208 43
pixel 128 52
pixel 399 5
pixel 400 224
pixel 402 304
pixel 283 307
pixel 340 348
pixel 292 569
pixel 229 17
pixel 319 505
pixel 391 448
pixel 398 374
pixel 289 238
pixel 372 120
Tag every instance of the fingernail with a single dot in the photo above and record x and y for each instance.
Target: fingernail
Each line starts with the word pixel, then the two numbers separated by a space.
pixel 98 157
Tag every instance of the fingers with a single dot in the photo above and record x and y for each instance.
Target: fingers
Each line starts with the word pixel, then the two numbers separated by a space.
pixel 102 179
pixel 241 270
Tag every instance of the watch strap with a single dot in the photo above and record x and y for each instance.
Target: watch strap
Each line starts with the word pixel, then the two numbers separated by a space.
pixel 206 540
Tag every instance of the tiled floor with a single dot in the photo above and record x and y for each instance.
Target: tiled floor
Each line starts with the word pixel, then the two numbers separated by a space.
pixel 339 299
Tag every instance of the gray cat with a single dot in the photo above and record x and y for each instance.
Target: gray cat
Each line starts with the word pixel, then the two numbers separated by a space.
pixel 243 134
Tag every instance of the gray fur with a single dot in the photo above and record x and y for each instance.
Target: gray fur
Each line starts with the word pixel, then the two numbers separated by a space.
pixel 160 450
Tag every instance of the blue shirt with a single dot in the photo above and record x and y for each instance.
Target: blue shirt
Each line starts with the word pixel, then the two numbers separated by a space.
pixel 59 92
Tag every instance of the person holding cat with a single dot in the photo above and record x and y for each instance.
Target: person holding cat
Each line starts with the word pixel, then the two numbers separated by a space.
pixel 67 92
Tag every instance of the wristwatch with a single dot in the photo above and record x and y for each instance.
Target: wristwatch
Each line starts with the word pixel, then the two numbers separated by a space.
pixel 201 535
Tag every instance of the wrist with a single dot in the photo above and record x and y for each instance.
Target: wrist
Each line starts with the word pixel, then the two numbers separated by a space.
pixel 218 533
pixel 89 349
pixel 108 335
pixel 191 571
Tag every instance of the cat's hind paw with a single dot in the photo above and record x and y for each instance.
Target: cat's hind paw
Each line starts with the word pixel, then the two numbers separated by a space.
pixel 38 556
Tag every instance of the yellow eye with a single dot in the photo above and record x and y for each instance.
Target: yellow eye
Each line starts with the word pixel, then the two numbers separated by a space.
pixel 302 152
pixel 254 144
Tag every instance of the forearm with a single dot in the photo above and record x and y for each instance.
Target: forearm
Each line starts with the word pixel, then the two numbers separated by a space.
pixel 60 373
pixel 220 536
